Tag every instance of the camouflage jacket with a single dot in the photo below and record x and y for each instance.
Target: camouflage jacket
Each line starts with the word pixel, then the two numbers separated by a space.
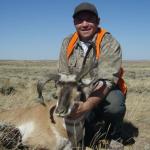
pixel 106 68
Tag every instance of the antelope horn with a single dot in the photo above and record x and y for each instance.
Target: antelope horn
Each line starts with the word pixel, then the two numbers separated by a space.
pixel 41 84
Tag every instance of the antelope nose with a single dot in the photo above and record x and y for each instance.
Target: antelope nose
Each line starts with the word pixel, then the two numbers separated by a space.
pixel 60 111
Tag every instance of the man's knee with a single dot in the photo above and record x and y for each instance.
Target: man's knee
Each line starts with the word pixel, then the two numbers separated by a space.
pixel 115 104
pixel 116 110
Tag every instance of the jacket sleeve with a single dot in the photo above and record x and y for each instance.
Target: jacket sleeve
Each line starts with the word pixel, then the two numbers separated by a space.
pixel 62 62
pixel 110 60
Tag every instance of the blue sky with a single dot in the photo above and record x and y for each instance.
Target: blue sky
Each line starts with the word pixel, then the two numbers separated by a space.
pixel 34 29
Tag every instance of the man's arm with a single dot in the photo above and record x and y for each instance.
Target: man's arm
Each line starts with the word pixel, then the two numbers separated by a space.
pixel 108 69
pixel 108 74
pixel 110 60
pixel 92 101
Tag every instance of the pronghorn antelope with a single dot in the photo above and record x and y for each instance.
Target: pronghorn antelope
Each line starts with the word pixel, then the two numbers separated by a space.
pixel 71 88
pixel 39 125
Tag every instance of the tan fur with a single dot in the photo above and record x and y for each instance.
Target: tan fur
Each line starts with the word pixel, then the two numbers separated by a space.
pixel 43 134
pixel 40 127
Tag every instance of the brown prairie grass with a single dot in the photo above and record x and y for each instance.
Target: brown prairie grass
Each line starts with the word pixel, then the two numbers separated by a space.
pixel 23 76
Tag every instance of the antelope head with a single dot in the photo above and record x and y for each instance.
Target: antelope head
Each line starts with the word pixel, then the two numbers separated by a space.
pixel 69 88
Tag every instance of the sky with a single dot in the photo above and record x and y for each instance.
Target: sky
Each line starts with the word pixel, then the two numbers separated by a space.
pixel 35 29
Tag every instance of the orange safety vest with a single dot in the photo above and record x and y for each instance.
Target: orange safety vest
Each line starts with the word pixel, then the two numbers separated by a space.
pixel 100 35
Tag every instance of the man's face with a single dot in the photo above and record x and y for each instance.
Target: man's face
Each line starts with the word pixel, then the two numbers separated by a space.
pixel 86 24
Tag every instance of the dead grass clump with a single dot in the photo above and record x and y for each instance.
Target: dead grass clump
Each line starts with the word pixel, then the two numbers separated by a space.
pixel 10 136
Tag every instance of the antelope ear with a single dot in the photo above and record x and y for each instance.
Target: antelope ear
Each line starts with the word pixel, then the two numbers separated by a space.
pixel 86 82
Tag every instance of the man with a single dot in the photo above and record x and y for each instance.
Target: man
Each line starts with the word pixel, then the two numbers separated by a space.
pixel 95 47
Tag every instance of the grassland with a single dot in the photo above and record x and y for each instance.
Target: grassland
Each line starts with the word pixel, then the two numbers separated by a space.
pixel 22 77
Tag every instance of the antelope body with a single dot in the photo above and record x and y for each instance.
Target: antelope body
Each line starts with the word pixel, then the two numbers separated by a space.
pixel 37 128
pixel 40 126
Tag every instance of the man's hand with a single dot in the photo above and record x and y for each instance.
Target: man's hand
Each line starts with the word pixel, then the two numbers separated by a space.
pixel 94 99
pixel 78 110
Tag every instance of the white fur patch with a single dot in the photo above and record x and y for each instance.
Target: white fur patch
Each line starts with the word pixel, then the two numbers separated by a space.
pixel 76 127
pixel 26 129
pixel 67 78
pixel 61 141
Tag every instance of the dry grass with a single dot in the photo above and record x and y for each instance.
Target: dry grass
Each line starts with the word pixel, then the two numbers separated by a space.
pixel 23 75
